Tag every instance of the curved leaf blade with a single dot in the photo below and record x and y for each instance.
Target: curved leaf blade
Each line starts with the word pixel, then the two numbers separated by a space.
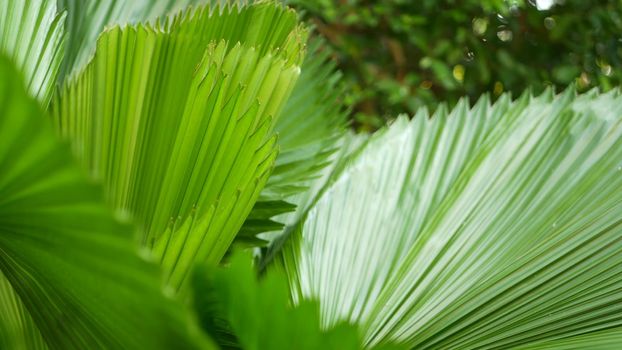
pixel 233 304
pixel 493 225
pixel 32 36
pixel 70 275
pixel 312 134
pixel 178 123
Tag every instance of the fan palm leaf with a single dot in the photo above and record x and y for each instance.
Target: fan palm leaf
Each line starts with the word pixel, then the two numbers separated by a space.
pixel 177 120
pixel 32 36
pixel 70 277
pixel 495 226
pixel 86 19
pixel 312 130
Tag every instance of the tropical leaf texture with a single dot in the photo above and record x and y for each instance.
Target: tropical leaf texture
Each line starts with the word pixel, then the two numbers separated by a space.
pixel 311 129
pixel 606 339
pixel 86 19
pixel 177 120
pixel 347 147
pixel 495 226
pixel 70 277
pixel 240 311
pixel 313 120
pixel 32 36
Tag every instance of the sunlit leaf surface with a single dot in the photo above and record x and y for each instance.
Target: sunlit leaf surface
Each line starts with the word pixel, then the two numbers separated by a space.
pixel 70 274
pixel 177 120
pixel 491 226
pixel 32 36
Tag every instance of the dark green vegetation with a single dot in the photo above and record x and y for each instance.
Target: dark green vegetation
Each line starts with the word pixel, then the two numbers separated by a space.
pixel 187 180
pixel 397 56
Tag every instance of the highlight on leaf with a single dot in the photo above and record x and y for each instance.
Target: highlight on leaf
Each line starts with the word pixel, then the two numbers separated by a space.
pixel 86 19
pixel 177 120
pixel 497 225
pixel 70 275
pixel 32 36
pixel 312 133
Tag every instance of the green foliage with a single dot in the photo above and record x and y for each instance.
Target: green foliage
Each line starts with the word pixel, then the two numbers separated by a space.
pixel 177 120
pixel 311 131
pixel 348 145
pixel 32 36
pixel 86 19
pixel 400 55
pixel 609 339
pixel 492 226
pixel 257 313
pixel 70 277
pixel 312 120
pixel 496 225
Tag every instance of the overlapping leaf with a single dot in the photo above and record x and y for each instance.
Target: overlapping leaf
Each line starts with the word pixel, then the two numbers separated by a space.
pixel 32 36
pixel 347 147
pixel 312 130
pixel 179 125
pixel 70 276
pixel 86 19
pixel 313 120
pixel 495 226
pixel 602 340
pixel 239 310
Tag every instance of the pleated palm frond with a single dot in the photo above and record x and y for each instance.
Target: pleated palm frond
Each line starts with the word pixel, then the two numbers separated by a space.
pixel 177 120
pixel 32 36
pixel 312 131
pixel 347 147
pixel 496 226
pixel 86 19
pixel 312 121
pixel 605 339
pixel 70 276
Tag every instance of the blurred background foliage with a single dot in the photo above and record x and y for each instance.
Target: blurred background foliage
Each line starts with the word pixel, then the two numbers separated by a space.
pixel 400 55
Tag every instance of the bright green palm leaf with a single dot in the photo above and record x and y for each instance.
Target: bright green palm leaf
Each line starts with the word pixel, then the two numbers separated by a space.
pixel 32 36
pixel 492 226
pixel 86 19
pixel 70 276
pixel 312 134
pixel 311 123
pixel 178 125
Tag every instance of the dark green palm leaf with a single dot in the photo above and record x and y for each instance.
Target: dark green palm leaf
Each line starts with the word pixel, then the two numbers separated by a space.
pixel 234 305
